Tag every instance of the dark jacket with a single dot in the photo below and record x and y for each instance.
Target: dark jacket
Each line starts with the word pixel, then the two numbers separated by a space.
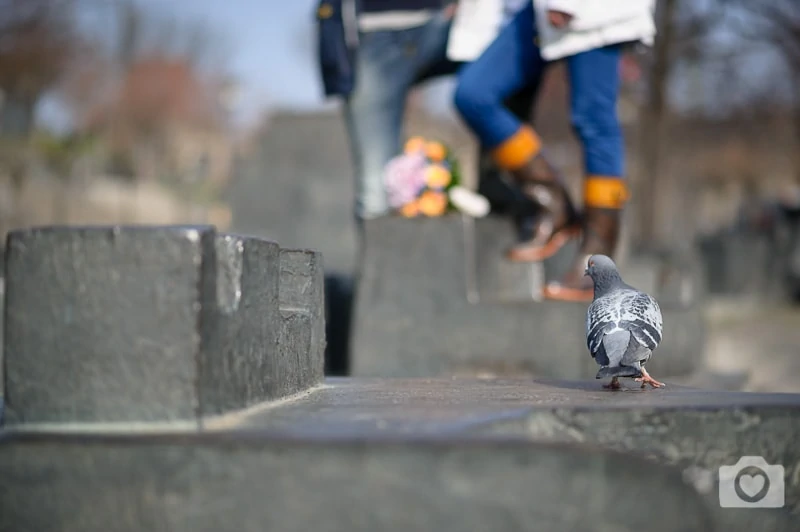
pixel 337 40
pixel 373 6
pixel 337 25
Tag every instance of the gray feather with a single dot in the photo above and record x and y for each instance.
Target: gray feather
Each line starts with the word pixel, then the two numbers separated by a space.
pixel 616 345
pixel 623 324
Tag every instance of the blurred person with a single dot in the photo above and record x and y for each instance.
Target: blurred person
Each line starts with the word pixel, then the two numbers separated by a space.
pixel 391 46
pixel 476 24
pixel 589 35
pixel 373 52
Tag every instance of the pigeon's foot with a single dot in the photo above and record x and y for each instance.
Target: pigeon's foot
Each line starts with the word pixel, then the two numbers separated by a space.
pixel 613 385
pixel 646 379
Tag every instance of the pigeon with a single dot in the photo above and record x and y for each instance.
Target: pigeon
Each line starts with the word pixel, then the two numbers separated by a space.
pixel 623 325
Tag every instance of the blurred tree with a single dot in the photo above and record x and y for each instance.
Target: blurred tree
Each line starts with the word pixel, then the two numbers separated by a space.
pixel 37 42
pixel 775 24
pixel 59 154
pixel 38 39
pixel 684 27
pixel 155 73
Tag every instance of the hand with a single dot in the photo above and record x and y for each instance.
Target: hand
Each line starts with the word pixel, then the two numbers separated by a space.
pixel 558 19
pixel 450 10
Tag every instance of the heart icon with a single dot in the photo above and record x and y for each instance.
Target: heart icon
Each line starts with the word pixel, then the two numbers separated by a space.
pixel 751 484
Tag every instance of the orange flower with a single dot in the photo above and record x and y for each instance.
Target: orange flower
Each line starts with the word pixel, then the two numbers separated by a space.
pixel 437 176
pixel 410 210
pixel 432 203
pixel 414 144
pixel 435 151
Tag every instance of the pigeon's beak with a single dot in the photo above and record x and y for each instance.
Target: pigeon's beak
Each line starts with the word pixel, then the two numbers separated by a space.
pixel 586 271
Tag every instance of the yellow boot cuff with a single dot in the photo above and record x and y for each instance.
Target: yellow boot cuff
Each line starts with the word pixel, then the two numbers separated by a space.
pixel 518 149
pixel 605 192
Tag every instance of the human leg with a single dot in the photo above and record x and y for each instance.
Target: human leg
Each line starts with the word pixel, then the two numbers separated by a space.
pixel 510 63
pixel 389 63
pixel 374 114
pixel 594 87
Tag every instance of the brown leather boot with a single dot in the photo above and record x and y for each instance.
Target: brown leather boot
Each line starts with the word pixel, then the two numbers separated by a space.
pixel 556 221
pixel 600 235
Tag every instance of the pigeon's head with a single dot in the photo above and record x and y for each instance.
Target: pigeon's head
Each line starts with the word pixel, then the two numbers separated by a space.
pixel 601 267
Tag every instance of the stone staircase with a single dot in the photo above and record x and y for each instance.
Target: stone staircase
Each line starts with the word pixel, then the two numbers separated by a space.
pixel 171 379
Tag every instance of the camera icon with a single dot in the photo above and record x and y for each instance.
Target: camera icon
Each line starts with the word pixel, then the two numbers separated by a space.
pixel 751 483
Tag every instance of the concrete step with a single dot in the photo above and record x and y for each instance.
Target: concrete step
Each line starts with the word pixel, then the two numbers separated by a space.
pixel 143 324
pixel 419 454
pixel 437 297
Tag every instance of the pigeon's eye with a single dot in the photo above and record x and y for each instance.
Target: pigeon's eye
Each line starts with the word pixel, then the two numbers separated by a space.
pixel 591 263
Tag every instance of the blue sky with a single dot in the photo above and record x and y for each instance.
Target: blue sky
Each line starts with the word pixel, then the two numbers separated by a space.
pixel 272 50
pixel 271 46
pixel 268 44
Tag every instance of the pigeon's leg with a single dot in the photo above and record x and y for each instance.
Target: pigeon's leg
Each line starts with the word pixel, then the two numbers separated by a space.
pixel 646 379
pixel 613 385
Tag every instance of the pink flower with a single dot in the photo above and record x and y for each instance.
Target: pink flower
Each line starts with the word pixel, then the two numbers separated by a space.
pixel 404 178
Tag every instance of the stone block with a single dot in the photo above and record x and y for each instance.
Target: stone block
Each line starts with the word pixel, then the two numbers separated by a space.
pixel 302 304
pixel 236 483
pixel 495 278
pixel 741 263
pixel 102 323
pixel 465 454
pixel 696 431
pixel 239 365
pixel 142 324
pixel 430 302
pixel 2 327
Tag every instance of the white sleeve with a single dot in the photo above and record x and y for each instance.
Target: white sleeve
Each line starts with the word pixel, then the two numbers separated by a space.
pixel 565 6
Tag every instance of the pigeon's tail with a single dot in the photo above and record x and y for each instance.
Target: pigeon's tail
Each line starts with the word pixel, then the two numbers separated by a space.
pixel 634 370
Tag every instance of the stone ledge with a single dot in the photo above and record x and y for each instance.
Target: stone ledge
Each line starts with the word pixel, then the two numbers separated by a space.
pixel 254 482
pixel 149 324
pixel 437 298
pixel 680 426
pixel 456 437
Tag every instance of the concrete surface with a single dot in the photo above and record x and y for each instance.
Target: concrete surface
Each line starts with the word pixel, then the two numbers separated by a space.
pixel 433 300
pixel 360 454
pixel 251 483
pixel 142 324
pixel 756 337
pixel 302 303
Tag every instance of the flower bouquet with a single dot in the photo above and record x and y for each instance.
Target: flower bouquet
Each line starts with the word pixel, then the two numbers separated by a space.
pixel 425 180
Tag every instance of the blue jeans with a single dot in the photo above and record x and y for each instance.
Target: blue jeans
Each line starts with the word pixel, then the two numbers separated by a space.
pixel 389 64
pixel 513 61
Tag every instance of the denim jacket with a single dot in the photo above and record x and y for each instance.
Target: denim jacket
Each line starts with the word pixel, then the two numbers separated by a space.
pixel 337 32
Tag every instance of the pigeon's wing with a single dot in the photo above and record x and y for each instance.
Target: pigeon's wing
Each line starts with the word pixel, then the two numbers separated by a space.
pixel 641 315
pixel 601 318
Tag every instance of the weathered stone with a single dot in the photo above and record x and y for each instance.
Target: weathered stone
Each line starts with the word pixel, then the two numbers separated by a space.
pixel 237 483
pixel 125 324
pixel 102 323
pixel 302 304
pixel 239 365
pixel 464 454
pixel 738 262
pixel 695 430
pixel 2 328
pixel 495 278
pixel 431 302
